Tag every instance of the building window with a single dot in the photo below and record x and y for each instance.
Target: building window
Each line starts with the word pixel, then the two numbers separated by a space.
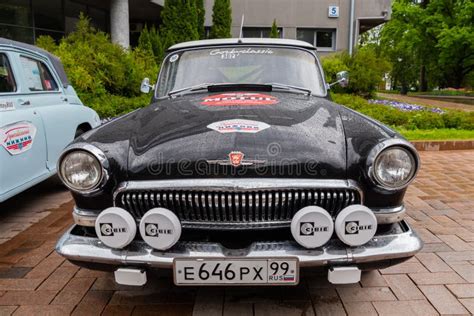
pixel 48 15
pixel 323 39
pixel 16 20
pixel 259 32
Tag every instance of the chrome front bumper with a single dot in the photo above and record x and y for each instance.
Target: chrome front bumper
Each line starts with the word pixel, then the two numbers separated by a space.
pixel 400 243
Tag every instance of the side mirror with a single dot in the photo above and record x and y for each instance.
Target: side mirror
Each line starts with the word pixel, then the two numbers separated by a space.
pixel 145 87
pixel 342 79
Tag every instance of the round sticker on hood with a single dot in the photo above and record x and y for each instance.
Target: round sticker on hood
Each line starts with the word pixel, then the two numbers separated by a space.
pixel 239 99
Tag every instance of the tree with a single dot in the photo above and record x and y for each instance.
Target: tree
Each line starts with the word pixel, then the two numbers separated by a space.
pixel 274 31
pixel 144 41
pixel 150 41
pixel 430 43
pixel 180 21
pixel 402 43
pixel 221 19
pixel 452 24
pixel 201 16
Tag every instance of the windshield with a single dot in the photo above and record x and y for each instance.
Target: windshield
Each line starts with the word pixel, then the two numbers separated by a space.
pixel 241 65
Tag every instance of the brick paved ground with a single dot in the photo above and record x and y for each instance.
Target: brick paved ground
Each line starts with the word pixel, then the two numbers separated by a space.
pixel 440 279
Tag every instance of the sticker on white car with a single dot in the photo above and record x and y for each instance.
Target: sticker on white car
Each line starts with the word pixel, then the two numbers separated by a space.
pixel 18 137
pixel 6 106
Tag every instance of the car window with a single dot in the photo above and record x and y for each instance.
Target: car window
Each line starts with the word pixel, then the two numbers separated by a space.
pixel 7 82
pixel 38 77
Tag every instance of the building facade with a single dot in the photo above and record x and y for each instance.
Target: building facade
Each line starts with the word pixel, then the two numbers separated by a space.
pixel 331 25
pixel 26 20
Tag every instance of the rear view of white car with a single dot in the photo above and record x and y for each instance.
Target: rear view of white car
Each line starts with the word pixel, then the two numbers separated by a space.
pixel 40 113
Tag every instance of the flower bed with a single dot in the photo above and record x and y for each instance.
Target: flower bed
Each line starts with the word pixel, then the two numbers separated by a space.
pixel 407 107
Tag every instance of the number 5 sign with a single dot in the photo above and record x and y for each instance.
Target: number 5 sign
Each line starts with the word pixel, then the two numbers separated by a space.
pixel 333 11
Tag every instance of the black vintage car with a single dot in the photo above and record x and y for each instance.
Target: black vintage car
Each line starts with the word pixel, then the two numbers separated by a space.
pixel 240 171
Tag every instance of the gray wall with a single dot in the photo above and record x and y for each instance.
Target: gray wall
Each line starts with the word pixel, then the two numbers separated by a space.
pixel 291 14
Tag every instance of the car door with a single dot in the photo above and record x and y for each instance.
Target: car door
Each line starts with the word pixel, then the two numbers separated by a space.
pixel 46 94
pixel 22 136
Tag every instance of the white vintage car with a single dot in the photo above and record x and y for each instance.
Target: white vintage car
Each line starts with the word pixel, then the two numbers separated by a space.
pixel 40 113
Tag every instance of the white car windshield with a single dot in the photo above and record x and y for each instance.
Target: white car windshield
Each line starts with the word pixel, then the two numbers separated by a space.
pixel 241 65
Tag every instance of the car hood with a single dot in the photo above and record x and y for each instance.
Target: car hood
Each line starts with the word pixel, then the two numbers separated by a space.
pixel 293 135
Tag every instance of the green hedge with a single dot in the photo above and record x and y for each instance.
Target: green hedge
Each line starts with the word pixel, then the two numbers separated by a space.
pixel 401 120
pixel 108 105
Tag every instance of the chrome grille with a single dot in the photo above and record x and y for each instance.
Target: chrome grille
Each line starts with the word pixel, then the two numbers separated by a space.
pixel 235 208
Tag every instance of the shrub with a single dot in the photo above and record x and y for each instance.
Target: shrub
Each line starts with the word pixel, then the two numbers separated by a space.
pixel 101 72
pixel 366 70
pixel 108 105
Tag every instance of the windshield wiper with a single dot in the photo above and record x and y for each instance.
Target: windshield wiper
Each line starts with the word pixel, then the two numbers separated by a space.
pixel 202 86
pixel 215 87
pixel 289 87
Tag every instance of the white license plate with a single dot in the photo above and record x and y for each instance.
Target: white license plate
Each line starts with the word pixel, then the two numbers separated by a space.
pixel 211 271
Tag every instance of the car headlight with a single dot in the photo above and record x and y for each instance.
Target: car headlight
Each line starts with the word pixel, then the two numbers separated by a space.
pixel 81 171
pixel 394 167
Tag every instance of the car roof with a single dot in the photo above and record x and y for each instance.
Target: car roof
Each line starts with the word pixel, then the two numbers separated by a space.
pixel 58 66
pixel 242 41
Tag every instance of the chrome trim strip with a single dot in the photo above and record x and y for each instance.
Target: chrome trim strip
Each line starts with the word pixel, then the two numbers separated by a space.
pixel 83 217
pixel 241 184
pixel 382 247
pixel 389 215
pixel 384 216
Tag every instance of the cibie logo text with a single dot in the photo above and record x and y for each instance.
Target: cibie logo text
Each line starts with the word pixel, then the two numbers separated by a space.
pixel 309 228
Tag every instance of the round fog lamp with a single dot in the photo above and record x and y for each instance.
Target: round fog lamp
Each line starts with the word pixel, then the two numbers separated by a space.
pixel 160 228
pixel 355 225
pixel 115 227
pixel 312 227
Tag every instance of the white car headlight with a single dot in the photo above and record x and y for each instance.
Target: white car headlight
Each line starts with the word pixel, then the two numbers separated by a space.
pixel 394 167
pixel 80 171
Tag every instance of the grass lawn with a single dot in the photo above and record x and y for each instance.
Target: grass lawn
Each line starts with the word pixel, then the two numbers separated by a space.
pixel 437 134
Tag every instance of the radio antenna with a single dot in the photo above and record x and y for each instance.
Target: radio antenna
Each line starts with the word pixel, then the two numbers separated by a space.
pixel 241 34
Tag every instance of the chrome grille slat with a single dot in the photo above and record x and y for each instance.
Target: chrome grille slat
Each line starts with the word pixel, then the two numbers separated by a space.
pixel 244 207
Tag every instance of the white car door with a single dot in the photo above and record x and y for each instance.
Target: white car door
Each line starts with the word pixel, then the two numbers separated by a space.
pixel 22 135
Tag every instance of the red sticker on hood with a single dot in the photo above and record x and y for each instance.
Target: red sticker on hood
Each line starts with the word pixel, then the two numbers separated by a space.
pixel 239 99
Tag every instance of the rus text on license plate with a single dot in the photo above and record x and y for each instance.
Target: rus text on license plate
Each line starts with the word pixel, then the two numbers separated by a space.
pixel 212 271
